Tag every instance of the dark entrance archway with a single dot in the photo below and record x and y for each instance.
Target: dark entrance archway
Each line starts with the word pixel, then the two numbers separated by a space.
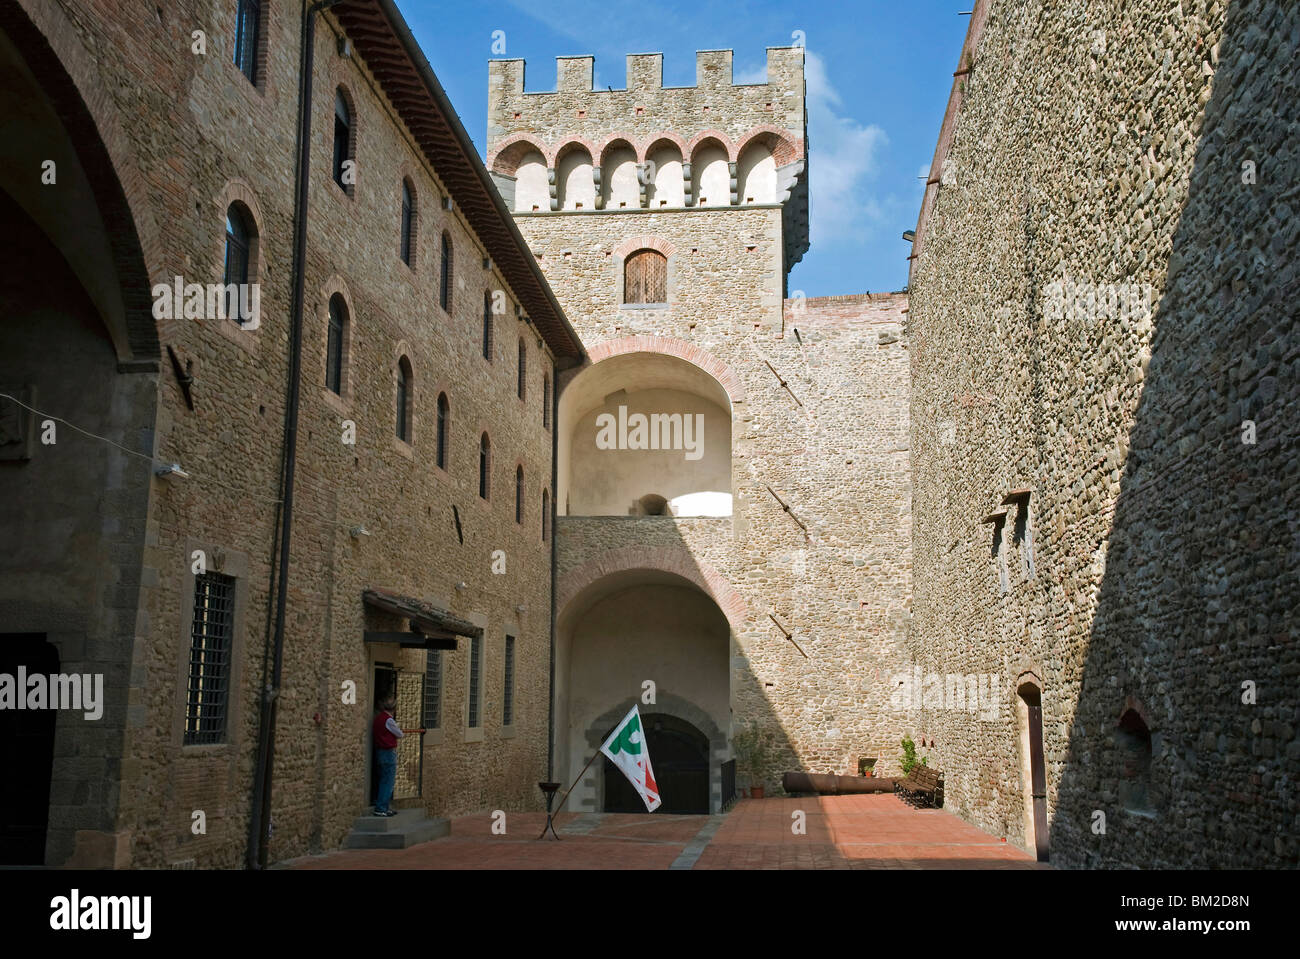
pixel 679 754
pixel 26 755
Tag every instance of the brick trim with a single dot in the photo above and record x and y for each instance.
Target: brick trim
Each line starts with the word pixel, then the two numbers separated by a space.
pixel 643 241
pixel 507 154
pixel 668 559
pixel 553 160
pixel 785 148
pixel 656 139
pixel 613 140
pixel 700 138
pixel 671 346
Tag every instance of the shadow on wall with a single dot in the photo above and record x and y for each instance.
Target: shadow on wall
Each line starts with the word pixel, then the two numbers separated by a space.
pixel 1185 733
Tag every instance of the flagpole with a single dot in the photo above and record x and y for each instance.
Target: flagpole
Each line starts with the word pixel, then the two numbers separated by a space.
pixel 551 814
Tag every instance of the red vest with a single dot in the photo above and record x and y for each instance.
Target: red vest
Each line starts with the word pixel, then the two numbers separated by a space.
pixel 384 738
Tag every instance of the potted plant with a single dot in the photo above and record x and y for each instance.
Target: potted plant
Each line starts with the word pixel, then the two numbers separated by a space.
pixel 754 748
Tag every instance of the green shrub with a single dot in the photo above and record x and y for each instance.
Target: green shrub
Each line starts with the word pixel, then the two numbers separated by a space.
pixel 910 761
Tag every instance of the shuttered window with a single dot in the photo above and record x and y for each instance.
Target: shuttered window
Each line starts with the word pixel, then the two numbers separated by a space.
pixel 645 277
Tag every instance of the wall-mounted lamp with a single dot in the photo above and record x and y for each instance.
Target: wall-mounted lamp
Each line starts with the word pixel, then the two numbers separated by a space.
pixel 359 531
pixel 170 470
pixel 909 236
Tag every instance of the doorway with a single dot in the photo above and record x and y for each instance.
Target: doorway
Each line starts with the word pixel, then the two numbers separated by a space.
pixel 1036 780
pixel 679 754
pixel 26 755
pixel 407 688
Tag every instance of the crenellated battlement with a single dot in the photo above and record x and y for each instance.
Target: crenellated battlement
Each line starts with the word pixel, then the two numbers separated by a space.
pixel 574 109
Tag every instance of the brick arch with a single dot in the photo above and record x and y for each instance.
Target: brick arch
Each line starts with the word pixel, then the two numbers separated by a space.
pixel 667 559
pixel 47 42
pixel 553 159
pixel 689 153
pixel 785 148
pixel 655 139
pixel 505 158
pixel 671 346
pixel 644 241
pixel 615 138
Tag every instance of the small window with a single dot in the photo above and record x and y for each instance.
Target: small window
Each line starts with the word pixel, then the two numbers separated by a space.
pixel 484 466
pixel 645 277
pixel 239 245
pixel 248 25
pixel 546 515
pixel 408 224
pixel 334 345
pixel 508 697
pixel 444 280
pixel 404 399
pixel 432 689
pixel 1134 743
pixel 475 680
pixel 211 635
pixel 546 401
pixel 519 494
pixel 487 326
pixel 444 427
pixel 1023 537
pixel 523 369
pixel 342 138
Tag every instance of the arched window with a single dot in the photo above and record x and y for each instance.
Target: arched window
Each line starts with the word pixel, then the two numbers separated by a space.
pixel 444 427
pixel 342 137
pixel 645 277
pixel 444 280
pixel 1134 743
pixel 519 495
pixel 546 515
pixel 239 244
pixel 546 401
pixel 484 466
pixel 523 368
pixel 408 223
pixel 487 326
pixel 338 319
pixel 248 28
pixel 404 400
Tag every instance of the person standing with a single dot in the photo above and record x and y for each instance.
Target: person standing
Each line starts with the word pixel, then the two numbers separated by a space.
pixel 386 735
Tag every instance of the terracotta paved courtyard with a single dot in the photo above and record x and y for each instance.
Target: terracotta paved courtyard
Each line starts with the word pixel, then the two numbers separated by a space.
pixel 843 832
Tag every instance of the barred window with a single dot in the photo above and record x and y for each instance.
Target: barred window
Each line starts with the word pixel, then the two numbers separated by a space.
pixel 546 401
pixel 444 425
pixel 408 223
pixel 487 327
pixel 523 368
pixel 475 672
pixel 484 466
pixel 445 277
pixel 247 26
pixel 211 634
pixel 433 689
pixel 519 494
pixel 508 702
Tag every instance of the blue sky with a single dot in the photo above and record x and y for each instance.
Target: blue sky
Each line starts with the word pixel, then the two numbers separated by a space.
pixel 878 76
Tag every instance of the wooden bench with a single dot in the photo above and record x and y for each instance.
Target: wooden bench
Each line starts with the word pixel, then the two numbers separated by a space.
pixel 922 785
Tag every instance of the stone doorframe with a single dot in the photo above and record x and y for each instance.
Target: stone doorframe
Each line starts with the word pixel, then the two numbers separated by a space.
pixel 671 705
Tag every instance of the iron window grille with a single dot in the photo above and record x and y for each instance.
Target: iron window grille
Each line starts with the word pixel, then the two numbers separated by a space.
pixel 211 632
pixel 508 707
pixel 475 671
pixel 433 689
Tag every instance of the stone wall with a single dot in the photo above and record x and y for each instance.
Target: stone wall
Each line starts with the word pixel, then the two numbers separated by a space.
pixel 204 136
pixel 1102 314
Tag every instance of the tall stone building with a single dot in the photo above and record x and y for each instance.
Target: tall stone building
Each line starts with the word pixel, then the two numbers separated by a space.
pixel 1104 373
pixel 399 365
pixel 733 491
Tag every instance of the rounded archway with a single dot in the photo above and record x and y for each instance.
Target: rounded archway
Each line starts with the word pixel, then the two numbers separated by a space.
pixel 642 426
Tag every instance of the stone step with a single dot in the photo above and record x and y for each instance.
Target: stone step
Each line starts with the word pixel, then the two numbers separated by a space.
pixel 404 817
pixel 407 828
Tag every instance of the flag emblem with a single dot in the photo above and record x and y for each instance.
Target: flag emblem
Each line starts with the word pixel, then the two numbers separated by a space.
pixel 626 748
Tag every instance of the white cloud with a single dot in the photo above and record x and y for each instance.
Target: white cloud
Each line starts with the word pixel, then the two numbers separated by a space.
pixel 842 156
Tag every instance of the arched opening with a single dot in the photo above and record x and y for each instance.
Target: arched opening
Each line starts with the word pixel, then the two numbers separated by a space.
pixel 756 174
pixel 679 754
pixel 652 504
pixel 344 141
pixel 336 344
pixel 644 420
pixel 666 187
pixel 612 636
pixel 445 275
pixel 645 277
pixel 77 340
pixel 619 185
pixel 712 176
pixel 484 467
pixel 444 429
pixel 407 243
pixel 532 191
pixel 404 399
pixel 575 187
pixel 1133 740
pixel 1033 767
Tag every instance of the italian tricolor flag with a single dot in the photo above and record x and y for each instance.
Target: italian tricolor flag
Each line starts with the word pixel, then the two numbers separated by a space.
pixel 626 749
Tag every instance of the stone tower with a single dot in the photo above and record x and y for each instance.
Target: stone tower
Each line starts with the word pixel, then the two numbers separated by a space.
pixel 733 491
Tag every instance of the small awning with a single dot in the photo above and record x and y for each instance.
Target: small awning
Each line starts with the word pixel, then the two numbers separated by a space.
pixel 431 627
